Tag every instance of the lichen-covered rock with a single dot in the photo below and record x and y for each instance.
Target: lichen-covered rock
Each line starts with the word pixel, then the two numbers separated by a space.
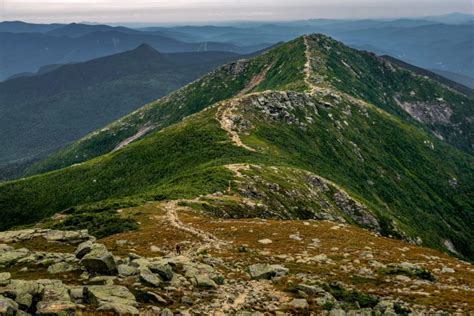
pixel 5 278
pixel 70 237
pixel 204 281
pixel 7 306
pixel 62 267
pixel 164 270
pixel 99 260
pixel 126 270
pixel 266 271
pixel 83 249
pixel 111 298
pixel 149 277
pixel 10 258
pixel 55 299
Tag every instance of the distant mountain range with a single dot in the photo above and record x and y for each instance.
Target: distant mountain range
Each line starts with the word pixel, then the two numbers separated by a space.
pixel 25 47
pixel 445 42
pixel 60 104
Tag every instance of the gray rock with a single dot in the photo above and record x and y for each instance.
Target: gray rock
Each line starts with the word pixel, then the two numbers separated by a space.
pixel 83 249
pixel 99 260
pixel 149 277
pixel 299 303
pixel 118 309
pixel 337 312
pixel 265 271
pixel 310 290
pixel 55 299
pixel 204 281
pixel 126 270
pixel 62 267
pixel 187 300
pixel 164 270
pixel 112 297
pixel 10 258
pixel 7 306
pixel 102 280
pixel 166 312
pixel 5 278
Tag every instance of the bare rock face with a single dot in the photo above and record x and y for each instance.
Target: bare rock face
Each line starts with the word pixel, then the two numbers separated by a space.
pixel 428 112
pixel 99 260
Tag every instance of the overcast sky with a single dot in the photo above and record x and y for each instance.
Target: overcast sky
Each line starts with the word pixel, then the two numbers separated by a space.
pixel 182 11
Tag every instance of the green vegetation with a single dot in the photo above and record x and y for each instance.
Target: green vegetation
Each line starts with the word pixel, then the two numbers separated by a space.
pixel 223 83
pixel 351 298
pixel 370 78
pixel 413 183
pixel 414 273
pixel 40 114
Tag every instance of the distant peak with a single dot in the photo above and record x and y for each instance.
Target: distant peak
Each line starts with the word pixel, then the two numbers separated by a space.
pixel 145 47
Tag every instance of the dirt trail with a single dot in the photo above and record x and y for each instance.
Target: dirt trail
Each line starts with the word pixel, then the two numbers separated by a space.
pixel 207 240
pixel 308 68
pixel 225 118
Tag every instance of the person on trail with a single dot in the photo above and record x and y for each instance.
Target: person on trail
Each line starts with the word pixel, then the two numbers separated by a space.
pixel 178 249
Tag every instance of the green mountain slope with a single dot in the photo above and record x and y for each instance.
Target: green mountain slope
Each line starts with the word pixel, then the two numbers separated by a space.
pixel 282 147
pixel 284 70
pixel 42 113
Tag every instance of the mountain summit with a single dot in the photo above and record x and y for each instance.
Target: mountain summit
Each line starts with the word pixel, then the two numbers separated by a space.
pixel 336 118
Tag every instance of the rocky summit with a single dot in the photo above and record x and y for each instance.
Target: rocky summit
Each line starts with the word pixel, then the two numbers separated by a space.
pixel 311 179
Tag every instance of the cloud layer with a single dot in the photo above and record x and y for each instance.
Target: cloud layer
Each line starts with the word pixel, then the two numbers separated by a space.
pixel 176 11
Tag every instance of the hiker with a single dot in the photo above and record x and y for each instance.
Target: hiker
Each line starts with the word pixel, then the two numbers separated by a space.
pixel 178 249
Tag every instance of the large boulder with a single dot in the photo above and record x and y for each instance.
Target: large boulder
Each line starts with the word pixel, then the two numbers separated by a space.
pixel 261 271
pixel 7 306
pixel 11 257
pixel 99 260
pixel 149 277
pixel 204 281
pixel 55 299
pixel 112 298
pixel 164 270
pixel 83 249
pixel 5 278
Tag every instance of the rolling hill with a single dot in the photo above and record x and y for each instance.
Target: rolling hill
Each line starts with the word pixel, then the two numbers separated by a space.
pixel 44 112
pixel 308 130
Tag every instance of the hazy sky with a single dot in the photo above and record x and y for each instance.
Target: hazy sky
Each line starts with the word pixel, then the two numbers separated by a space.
pixel 178 11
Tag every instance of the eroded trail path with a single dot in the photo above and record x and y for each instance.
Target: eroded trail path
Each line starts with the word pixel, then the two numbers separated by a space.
pixel 207 240
pixel 308 68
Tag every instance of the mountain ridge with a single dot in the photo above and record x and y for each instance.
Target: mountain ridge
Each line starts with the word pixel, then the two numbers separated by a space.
pixel 292 116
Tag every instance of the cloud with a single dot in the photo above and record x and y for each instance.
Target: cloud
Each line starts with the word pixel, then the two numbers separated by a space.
pixel 165 11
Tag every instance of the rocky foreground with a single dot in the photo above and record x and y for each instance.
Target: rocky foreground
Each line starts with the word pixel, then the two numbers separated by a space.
pixel 235 267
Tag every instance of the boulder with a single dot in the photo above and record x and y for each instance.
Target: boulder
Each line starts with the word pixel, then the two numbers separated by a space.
pixel 10 258
pixel 55 299
pixel 109 295
pixel 118 309
pixel 266 271
pixel 7 306
pixel 298 303
pixel 62 267
pixel 204 281
pixel 310 290
pixel 149 277
pixel 164 270
pixel 126 270
pixel 5 278
pixel 99 260
pixel 83 249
